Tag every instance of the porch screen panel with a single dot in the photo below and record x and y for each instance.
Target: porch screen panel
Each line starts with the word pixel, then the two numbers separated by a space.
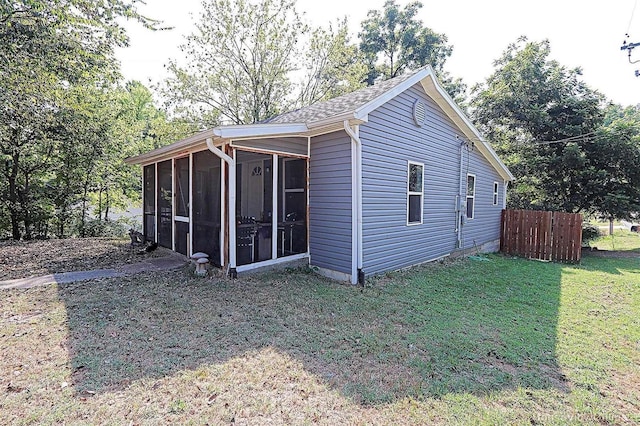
pixel 206 205
pixel 149 208
pixel 292 238
pixel 182 187
pixel 164 203
pixel 254 214
pixel 182 231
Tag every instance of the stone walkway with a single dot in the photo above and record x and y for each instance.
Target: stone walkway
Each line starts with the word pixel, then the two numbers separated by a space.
pixel 166 263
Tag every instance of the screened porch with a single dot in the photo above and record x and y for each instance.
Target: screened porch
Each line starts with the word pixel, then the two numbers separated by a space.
pixel 186 206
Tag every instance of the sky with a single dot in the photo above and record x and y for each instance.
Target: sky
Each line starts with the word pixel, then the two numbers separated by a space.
pixel 586 34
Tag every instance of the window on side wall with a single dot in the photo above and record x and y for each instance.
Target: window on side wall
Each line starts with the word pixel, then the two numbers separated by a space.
pixel 471 195
pixel 415 185
pixel 495 193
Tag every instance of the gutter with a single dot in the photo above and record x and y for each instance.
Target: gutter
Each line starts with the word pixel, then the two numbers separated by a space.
pixel 232 205
pixel 357 275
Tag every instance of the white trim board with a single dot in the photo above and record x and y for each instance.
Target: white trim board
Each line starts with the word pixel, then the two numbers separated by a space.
pixel 271 262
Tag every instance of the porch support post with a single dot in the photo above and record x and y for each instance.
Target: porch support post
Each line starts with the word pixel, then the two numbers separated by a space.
pixel 173 204
pixel 231 162
pixel 190 240
pixel 274 207
pixel 155 196
pixel 223 212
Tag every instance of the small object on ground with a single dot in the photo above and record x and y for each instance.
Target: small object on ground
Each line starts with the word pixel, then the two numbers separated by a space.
pixel 201 266
pixel 137 239
pixel 199 255
pixel 480 258
pixel 151 246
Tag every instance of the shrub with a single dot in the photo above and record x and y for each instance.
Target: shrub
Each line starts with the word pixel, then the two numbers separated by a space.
pixel 589 233
pixel 109 229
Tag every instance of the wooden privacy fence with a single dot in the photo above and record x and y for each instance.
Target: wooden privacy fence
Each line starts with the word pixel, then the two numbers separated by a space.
pixel 542 235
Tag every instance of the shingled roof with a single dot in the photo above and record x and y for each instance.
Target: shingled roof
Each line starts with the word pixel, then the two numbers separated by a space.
pixel 340 105
pixel 323 116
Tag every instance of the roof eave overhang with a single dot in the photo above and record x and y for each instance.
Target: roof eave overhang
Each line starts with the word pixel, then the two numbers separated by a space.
pixel 171 149
pixel 351 116
pixel 220 135
pixel 261 130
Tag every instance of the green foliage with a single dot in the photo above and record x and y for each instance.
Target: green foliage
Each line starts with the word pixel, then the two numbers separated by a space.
pixel 105 228
pixel 62 128
pixel 567 151
pixel 612 177
pixel 535 112
pixel 248 61
pixel 394 40
pixel 589 233
pixel 332 67
pixel 239 59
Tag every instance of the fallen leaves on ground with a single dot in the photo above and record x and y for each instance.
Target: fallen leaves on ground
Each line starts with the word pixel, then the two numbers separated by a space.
pixel 22 259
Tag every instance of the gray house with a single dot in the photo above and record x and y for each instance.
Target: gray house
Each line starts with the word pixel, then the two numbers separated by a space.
pixel 386 177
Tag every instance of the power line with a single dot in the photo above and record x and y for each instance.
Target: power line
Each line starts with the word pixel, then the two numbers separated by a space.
pixel 630 46
pixel 633 11
pixel 585 137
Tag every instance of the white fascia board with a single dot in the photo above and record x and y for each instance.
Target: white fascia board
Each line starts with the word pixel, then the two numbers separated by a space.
pixel 432 88
pixel 154 157
pixel 222 132
pixel 260 130
pixel 178 146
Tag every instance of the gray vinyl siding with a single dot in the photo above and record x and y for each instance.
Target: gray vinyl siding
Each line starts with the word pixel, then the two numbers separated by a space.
pixel 485 225
pixel 389 140
pixel 330 202
pixel 293 145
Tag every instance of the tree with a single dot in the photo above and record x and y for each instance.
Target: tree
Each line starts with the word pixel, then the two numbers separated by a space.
pixel 82 138
pixel 613 175
pixel 333 66
pixel 136 126
pixel 239 62
pixel 47 50
pixel 394 40
pixel 539 115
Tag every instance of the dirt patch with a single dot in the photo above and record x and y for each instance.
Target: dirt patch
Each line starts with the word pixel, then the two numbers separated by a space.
pixel 624 392
pixel 25 259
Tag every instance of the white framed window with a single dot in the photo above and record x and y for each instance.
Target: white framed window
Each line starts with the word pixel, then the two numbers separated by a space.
pixel 496 186
pixel 471 195
pixel 415 192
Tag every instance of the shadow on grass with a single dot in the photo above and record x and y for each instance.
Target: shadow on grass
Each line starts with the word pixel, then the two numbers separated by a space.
pixel 611 262
pixel 468 327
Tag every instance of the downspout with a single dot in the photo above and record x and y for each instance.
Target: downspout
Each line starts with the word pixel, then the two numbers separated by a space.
pixel 232 205
pixel 459 202
pixel 356 181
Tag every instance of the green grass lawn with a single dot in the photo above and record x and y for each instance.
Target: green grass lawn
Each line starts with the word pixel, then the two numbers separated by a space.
pixel 620 240
pixel 500 341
